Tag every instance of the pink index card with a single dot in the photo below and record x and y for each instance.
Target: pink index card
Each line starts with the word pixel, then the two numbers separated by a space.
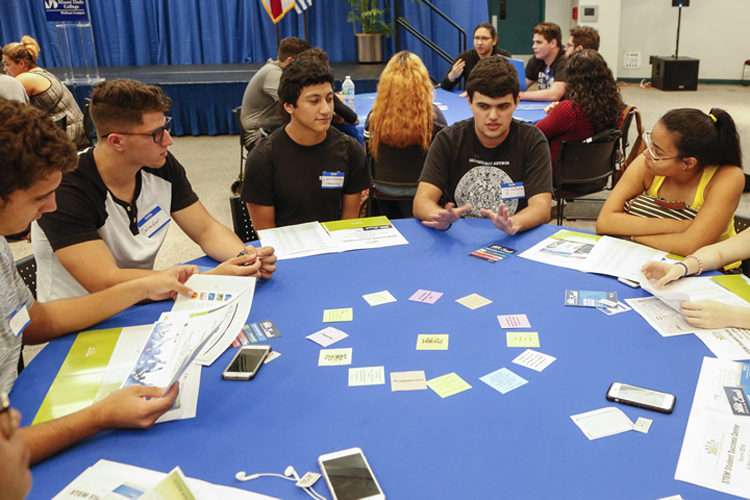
pixel 425 296
pixel 514 321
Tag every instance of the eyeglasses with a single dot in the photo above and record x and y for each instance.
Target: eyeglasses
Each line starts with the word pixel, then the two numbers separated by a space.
pixel 157 135
pixel 7 428
pixel 647 136
pixel 482 38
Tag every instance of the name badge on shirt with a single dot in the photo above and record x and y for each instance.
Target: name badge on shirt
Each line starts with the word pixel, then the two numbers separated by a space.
pixel 513 190
pixel 332 180
pixel 19 319
pixel 153 221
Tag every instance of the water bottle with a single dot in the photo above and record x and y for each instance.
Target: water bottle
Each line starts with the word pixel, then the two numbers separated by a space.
pixel 347 92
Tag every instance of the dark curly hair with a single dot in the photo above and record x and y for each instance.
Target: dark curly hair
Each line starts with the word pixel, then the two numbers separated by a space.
pixel 592 88
pixel 32 147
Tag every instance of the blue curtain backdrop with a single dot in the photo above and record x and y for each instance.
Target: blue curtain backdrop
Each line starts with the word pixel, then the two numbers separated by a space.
pixel 171 32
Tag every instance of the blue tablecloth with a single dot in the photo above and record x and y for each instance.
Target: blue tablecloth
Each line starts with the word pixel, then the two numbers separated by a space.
pixel 478 444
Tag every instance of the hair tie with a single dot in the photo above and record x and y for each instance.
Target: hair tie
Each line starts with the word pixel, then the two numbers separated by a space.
pixel 712 117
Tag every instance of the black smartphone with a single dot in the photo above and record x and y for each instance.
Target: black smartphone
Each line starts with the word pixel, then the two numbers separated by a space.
pixel 642 398
pixel 246 362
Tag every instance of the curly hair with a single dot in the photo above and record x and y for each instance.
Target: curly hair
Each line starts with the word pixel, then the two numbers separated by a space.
pixel 585 36
pixel 32 147
pixel 592 88
pixel 402 114
pixel 121 103
pixel 25 50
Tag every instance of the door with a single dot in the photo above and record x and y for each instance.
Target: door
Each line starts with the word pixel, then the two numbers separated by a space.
pixel 515 20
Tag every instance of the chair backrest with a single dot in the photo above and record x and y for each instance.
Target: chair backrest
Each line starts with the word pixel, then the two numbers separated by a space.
pixel 398 166
pixel 740 224
pixel 88 123
pixel 243 226
pixel 62 121
pixel 587 166
pixel 638 145
pixel 26 267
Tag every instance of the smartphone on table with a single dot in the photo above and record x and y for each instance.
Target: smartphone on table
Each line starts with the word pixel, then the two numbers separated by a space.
pixel 246 362
pixel 642 398
pixel 349 476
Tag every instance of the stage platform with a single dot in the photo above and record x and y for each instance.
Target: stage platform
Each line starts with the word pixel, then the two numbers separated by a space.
pixel 204 95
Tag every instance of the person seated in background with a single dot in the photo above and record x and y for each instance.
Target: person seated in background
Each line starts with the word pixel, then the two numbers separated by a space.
pixel 547 68
pixel 114 210
pixel 10 88
pixel 262 92
pixel 44 89
pixel 305 171
pixel 706 313
pixel 681 193
pixel 593 103
pixel 485 45
pixel 582 37
pixel 403 122
pixel 34 154
pixel 342 114
pixel 490 165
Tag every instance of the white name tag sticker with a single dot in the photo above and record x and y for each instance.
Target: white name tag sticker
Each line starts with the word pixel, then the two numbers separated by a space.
pixel 19 319
pixel 153 221
pixel 513 190
pixel 332 180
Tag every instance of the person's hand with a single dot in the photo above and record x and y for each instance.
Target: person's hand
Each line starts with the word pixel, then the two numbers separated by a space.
pixel 267 262
pixel 245 264
pixel 168 284
pixel 447 216
pixel 662 272
pixel 134 407
pixel 456 70
pixel 708 313
pixel 551 105
pixel 501 219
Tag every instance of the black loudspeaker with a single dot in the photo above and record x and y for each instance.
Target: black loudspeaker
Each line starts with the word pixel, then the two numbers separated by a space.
pixel 677 3
pixel 669 73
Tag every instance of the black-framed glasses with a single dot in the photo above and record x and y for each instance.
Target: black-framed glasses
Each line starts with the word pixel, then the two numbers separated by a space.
pixel 157 135
pixel 647 136
pixel 6 419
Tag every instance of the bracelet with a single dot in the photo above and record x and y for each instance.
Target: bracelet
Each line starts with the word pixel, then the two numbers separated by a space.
pixel 446 227
pixel 632 238
pixel 700 264
pixel 686 269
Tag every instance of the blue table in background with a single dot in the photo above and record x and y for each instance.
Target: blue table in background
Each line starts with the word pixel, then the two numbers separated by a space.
pixel 478 444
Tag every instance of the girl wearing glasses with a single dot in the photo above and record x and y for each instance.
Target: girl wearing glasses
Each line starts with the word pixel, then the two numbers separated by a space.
pixel 681 194
pixel 485 45
pixel 44 89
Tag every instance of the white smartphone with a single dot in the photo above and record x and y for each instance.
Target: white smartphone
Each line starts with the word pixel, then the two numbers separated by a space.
pixel 630 283
pixel 349 476
pixel 246 362
pixel 642 398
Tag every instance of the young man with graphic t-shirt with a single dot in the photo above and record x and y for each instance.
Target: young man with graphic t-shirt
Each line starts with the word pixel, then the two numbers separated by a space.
pixel 547 68
pixel 489 165
pixel 114 210
pixel 305 171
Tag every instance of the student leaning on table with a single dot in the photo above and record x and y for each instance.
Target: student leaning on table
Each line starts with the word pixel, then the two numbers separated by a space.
pixel 681 193
pixel 114 210
pixel 34 154
pixel 707 313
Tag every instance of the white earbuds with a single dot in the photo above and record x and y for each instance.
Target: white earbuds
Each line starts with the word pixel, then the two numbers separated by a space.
pixel 240 476
pixel 291 472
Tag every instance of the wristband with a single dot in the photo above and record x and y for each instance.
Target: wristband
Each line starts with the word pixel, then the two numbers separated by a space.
pixel 446 227
pixel 700 264
pixel 686 269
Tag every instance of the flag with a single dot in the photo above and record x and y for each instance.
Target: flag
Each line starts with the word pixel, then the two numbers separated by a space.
pixel 304 4
pixel 278 8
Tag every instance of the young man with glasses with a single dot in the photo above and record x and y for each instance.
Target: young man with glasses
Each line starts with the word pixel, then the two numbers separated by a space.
pixel 582 37
pixel 114 210
pixel 547 68
pixel 34 155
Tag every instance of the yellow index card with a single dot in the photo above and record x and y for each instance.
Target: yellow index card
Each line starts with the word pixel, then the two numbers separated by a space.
pixel 448 385
pixel 338 315
pixel 522 339
pixel 473 301
pixel 430 342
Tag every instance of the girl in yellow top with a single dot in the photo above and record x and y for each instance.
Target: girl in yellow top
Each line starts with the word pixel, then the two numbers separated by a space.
pixel 681 194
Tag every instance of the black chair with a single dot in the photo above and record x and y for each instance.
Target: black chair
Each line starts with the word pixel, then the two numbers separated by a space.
pixel 624 143
pixel 584 168
pixel 26 267
pixel 61 121
pixel 740 224
pixel 88 123
pixel 243 226
pixel 394 167
pixel 243 136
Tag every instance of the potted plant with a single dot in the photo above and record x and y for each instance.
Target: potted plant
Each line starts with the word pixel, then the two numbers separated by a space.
pixel 369 43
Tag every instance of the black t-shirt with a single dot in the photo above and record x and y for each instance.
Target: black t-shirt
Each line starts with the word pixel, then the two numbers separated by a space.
pixel 471 58
pixel 468 172
pixel 305 183
pixel 537 70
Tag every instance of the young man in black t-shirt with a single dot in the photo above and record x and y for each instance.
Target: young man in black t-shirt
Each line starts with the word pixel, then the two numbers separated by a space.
pixel 305 171
pixel 489 165
pixel 547 68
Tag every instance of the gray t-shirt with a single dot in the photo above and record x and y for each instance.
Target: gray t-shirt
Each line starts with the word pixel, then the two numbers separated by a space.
pixel 13 295
pixel 259 101
pixel 11 89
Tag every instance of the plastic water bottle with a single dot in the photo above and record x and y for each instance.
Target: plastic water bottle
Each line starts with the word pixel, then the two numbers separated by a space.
pixel 347 92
